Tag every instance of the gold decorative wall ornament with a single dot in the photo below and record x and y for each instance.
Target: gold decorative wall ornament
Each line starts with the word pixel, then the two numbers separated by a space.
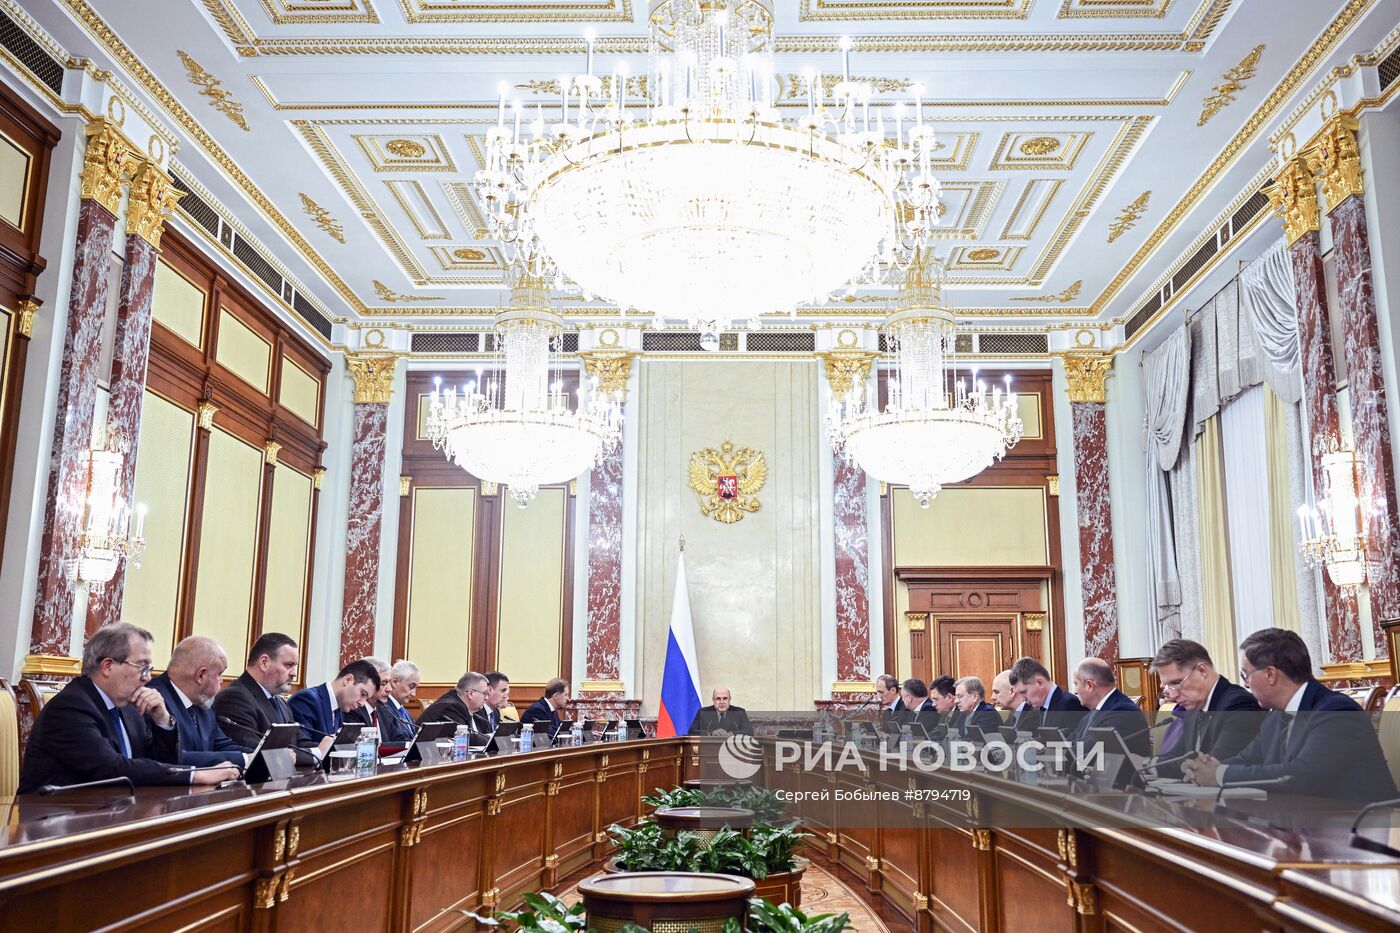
pixel 270 451
pixel 917 621
pixel 1129 216
pixel 611 369
pixel 1052 485
pixel 1085 373
pixel 205 415
pixel 386 293
pixel 265 893
pixel 983 254
pixel 1034 621
pixel 727 481
pixel 406 148
pixel 152 196
pixel 323 219
pixel 1293 196
pixel 405 485
pixel 1231 83
pixel 1064 297
pixel 847 368
pixel 220 97
pixel 469 254
pixel 1039 146
pixel 374 377
pixel 1338 162
pixel 106 166
pixel 794 86
pixel 28 309
pixel 1082 896
pixel 982 840
pixel 318 478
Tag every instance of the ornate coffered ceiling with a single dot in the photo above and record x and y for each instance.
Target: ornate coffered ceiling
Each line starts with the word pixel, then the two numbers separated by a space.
pixel 1077 156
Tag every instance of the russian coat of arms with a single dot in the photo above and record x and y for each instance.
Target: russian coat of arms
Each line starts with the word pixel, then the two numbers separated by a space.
pixel 727 480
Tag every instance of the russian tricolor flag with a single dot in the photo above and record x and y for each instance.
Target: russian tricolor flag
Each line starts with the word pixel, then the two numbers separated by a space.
pixel 680 680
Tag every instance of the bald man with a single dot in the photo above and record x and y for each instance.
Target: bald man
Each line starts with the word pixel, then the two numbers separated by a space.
pixel 722 717
pixel 1108 707
pixel 189 685
pixel 1003 694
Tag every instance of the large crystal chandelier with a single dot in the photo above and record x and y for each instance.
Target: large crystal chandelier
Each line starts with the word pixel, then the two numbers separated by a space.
pixel 936 428
pixel 514 427
pixel 686 193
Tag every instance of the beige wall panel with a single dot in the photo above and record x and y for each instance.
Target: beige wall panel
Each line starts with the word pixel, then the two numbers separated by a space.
pixel 904 665
pixel 531 613
pixel 440 582
pixel 300 391
pixel 14 175
pixel 1028 407
pixel 228 542
pixel 163 462
pixel 755 585
pixel 246 355
pixel 178 304
pixel 288 552
pixel 972 527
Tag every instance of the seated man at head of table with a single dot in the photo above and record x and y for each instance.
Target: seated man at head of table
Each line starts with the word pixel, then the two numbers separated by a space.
pixel 249 706
pixel 189 685
pixel 917 705
pixel 1220 718
pixel 1318 740
pixel 1046 703
pixel 321 709
pixel 464 704
pixel 378 712
pixel 1109 708
pixel 544 712
pixel 107 723
pixel 721 717
pixel 974 710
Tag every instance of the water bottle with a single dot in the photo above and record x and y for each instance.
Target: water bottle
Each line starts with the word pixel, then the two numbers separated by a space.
pixel 367 751
pixel 816 732
pixel 576 734
pixel 527 737
pixel 461 743
pixel 906 739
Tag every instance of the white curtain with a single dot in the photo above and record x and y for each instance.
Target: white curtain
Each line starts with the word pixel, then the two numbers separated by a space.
pixel 1166 379
pixel 1268 301
pixel 1247 510
pixel 1236 349
pixel 1306 579
pixel 1186 529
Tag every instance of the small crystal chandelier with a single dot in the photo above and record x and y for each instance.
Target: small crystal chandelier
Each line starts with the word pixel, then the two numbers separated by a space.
pixel 1333 535
pixel 936 428
pixel 702 202
pixel 514 427
pixel 105 541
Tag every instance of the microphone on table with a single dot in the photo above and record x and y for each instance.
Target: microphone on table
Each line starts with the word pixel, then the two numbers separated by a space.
pixel 1359 841
pixel 50 789
pixel 248 730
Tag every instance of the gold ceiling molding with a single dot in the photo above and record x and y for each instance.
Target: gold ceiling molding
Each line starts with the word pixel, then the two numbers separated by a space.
pixel 320 12
pixel 844 368
pixel 1325 87
pixel 1020 151
pixel 1113 9
pixel 1338 162
pixel 1266 111
pixel 374 377
pixel 611 368
pixel 412 189
pixel 459 195
pixel 840 11
pixel 1037 146
pixel 406 148
pixel 1231 83
pixel 1064 297
pixel 1129 216
pixel 220 97
pixel 107 165
pixel 385 293
pixel 322 218
pixel 484 11
pixel 794 86
pixel 1052 187
pixel 1293 196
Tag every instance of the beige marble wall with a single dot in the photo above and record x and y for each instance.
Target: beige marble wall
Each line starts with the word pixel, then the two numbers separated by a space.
pixel 755 585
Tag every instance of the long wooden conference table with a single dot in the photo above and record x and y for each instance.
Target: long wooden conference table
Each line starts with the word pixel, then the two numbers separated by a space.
pixel 416 848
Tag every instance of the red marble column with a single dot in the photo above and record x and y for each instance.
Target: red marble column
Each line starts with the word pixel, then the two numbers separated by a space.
pixel 374 377
pixel 852 573
pixel 151 195
pixel 1296 197
pixel 104 169
pixel 1098 579
pixel 1340 166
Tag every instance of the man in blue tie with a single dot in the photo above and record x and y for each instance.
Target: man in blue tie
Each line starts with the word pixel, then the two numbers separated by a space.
pixel 404 678
pixel 497 695
pixel 188 687
pixel 1108 707
pixel 321 709
pixel 108 723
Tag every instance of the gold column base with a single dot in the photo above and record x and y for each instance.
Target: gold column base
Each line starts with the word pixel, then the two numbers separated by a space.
pixel 601 686
pixel 853 686
pixel 49 665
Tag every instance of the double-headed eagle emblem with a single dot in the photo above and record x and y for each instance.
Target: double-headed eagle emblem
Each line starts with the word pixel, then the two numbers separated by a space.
pixel 727 480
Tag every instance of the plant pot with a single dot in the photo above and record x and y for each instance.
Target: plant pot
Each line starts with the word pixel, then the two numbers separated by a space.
pixel 777 888
pixel 675 900
pixel 703 821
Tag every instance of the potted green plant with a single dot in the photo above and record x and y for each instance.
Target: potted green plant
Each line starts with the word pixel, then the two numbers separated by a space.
pixel 767 807
pixel 545 913
pixel 768 855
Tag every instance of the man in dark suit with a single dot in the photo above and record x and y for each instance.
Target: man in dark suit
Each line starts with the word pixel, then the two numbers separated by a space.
pixel 464 704
pixel 404 678
pixel 544 712
pixel 887 689
pixel 1220 718
pixel 721 718
pixel 379 713
pixel 973 709
pixel 108 723
pixel 188 687
pixel 497 695
pixel 321 709
pixel 941 693
pixel 1053 707
pixel 1317 739
pixel 1003 694
pixel 1108 707
pixel 917 705
pixel 249 706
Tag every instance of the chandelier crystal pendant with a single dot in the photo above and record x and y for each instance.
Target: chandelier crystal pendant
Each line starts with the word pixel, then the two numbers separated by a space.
pixel 513 426
pixel 1334 535
pixel 685 192
pixel 935 428
pixel 104 542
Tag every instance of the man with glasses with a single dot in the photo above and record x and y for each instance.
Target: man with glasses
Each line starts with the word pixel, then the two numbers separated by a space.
pixel 1221 718
pixel 108 723
pixel 1317 740
pixel 973 708
pixel 464 704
